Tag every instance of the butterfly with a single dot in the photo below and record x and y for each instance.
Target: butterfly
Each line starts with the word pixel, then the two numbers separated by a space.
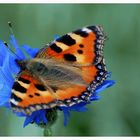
pixel 64 72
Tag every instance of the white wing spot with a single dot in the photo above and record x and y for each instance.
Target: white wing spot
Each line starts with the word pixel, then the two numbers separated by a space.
pixel 14 101
pixel 86 30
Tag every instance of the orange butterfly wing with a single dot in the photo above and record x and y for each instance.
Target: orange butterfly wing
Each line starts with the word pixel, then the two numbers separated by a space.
pixel 82 48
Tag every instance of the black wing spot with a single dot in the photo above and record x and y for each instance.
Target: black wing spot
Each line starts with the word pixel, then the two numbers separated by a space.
pixel 81 45
pixel 19 88
pixel 55 48
pixel 66 39
pixel 23 80
pixel 69 57
pixel 81 33
pixel 40 87
pixel 80 51
pixel 31 96
pixel 37 94
pixel 13 96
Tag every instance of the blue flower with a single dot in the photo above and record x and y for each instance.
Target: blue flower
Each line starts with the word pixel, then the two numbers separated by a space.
pixel 9 69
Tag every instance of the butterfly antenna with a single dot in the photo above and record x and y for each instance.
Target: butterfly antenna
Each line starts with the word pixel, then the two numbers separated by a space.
pixel 8 47
pixel 6 44
pixel 10 27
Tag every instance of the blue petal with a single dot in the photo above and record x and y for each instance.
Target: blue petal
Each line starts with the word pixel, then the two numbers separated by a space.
pixel 6 104
pixel 94 96
pixel 3 100
pixel 79 107
pixel 66 115
pixel 31 51
pixel 104 85
pixel 2 52
pixel 5 70
pixel 13 65
pixel 20 114
pixel 4 96
pixel 18 51
pixel 4 78
pixel 44 119
pixel 37 117
pixel 1 85
pixel 28 120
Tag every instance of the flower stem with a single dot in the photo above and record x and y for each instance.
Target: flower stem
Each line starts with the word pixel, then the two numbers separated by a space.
pixel 47 131
pixel 51 117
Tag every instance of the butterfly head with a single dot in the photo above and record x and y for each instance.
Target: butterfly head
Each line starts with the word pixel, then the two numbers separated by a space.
pixel 22 64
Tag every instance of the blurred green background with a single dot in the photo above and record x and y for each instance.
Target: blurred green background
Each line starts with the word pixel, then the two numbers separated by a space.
pixel 117 113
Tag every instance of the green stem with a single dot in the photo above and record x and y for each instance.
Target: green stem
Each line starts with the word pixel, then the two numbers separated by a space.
pixel 51 117
pixel 47 131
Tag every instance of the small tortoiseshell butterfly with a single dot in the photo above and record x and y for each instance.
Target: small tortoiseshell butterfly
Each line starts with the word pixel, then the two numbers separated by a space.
pixel 63 73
